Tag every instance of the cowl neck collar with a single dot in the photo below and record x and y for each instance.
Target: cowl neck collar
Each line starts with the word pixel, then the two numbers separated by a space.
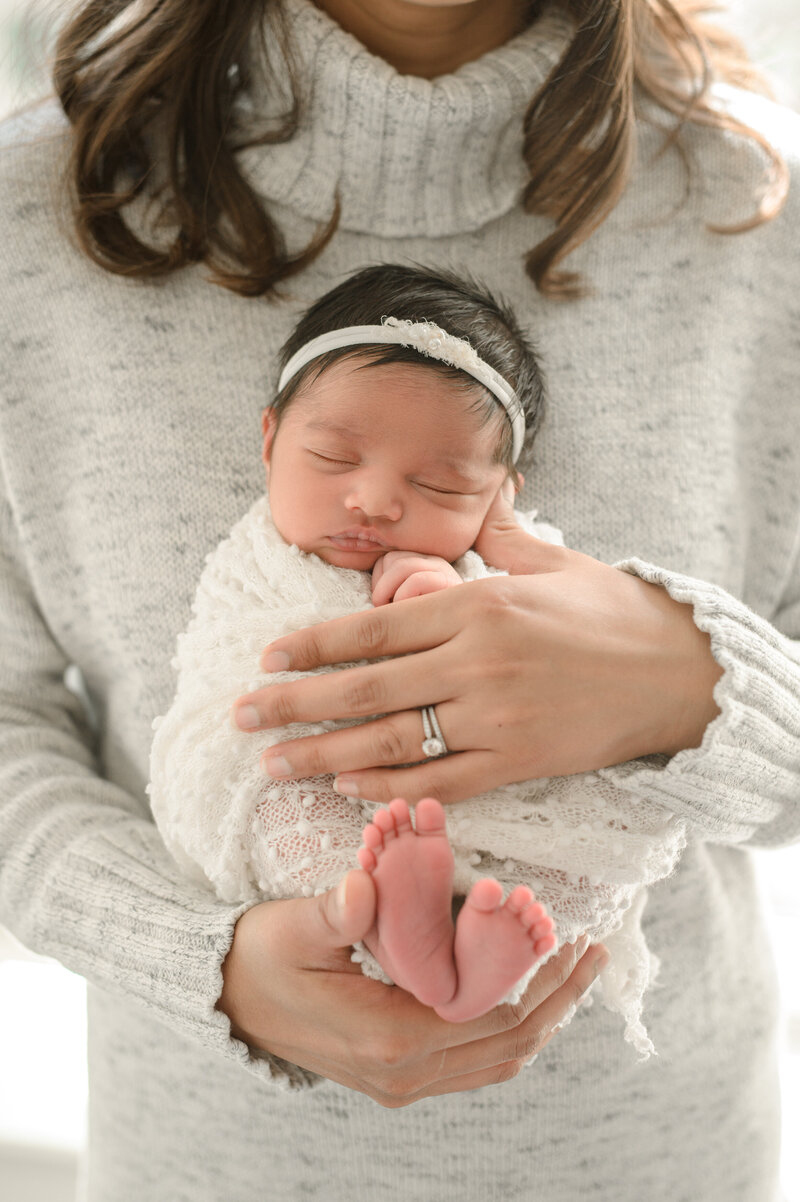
pixel 405 156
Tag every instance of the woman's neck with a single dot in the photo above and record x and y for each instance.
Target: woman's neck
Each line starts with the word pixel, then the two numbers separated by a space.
pixel 429 39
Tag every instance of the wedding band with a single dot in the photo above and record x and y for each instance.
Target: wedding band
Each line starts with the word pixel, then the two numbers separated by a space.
pixel 433 744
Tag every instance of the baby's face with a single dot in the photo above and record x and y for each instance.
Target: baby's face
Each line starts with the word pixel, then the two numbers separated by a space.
pixel 369 459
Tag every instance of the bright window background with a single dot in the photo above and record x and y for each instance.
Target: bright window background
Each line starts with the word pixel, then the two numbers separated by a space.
pixel 42 1006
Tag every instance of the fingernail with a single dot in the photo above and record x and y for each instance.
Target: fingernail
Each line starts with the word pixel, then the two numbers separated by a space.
pixel 275 661
pixel 344 784
pixel 597 967
pixel 248 717
pixel 341 893
pixel 600 963
pixel 276 765
pixel 581 945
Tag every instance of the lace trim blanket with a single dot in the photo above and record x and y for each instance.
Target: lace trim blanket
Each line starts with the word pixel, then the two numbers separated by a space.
pixel 587 850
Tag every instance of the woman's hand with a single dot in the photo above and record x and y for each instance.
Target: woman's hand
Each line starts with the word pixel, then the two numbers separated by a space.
pixel 568 668
pixel 501 542
pixel 291 989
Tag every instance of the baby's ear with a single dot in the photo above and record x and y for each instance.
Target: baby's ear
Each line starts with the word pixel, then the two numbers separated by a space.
pixel 269 424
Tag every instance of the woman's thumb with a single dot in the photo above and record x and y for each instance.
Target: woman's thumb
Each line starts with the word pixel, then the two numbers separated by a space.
pixel 498 523
pixel 345 914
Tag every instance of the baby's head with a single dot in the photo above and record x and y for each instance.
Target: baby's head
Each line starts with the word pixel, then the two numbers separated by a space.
pixel 376 445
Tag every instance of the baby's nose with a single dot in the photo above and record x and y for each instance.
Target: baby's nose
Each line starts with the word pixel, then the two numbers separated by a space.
pixel 376 497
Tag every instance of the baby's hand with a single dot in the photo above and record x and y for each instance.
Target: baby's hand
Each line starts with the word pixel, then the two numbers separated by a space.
pixel 398 575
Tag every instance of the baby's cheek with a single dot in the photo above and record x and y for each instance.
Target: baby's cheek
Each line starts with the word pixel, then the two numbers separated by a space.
pixel 462 535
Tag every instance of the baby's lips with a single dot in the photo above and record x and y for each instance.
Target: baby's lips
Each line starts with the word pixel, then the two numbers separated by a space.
pixel 362 534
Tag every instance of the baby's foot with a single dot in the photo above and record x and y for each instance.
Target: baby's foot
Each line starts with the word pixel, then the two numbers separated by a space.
pixel 495 945
pixel 412 938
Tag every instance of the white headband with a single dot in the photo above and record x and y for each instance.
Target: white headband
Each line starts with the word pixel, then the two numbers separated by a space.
pixel 428 339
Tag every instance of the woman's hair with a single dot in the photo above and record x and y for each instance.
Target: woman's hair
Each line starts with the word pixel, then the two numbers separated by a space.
pixel 150 87
pixel 457 304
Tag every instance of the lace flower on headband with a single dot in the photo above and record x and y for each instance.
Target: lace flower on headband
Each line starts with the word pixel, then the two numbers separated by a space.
pixel 432 340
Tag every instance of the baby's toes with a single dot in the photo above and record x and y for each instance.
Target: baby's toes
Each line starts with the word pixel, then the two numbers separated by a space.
pixel 400 814
pixel 533 914
pixel 385 822
pixel 372 837
pixel 519 900
pixel 542 934
pixel 429 817
pixel 542 944
pixel 485 895
pixel 367 859
pixel 539 926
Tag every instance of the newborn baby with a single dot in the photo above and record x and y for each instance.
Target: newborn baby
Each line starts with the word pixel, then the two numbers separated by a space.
pixel 388 442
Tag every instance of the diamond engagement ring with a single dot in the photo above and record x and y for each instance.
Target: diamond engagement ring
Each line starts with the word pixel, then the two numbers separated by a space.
pixel 433 744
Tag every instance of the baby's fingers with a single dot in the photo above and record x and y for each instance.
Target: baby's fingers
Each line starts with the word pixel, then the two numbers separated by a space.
pixel 419 584
pixel 398 569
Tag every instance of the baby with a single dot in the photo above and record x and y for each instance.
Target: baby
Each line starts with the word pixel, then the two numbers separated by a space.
pixel 406 400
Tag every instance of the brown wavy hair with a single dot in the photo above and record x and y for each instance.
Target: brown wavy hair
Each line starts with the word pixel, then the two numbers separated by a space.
pixel 149 87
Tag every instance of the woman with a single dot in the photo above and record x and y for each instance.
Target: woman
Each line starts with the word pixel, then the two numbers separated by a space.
pixel 405 128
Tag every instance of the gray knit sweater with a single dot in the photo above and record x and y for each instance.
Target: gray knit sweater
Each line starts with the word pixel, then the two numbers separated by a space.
pixel 129 435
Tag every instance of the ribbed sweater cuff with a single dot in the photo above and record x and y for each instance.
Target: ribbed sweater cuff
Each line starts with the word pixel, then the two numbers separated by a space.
pixel 113 911
pixel 743 782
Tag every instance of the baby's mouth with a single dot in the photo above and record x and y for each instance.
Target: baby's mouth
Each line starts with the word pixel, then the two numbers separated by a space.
pixel 359 538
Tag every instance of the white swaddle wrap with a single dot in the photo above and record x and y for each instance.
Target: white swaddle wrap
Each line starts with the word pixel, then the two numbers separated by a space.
pixel 588 850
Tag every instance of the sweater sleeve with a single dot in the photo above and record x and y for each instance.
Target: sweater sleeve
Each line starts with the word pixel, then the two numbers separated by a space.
pixel 742 785
pixel 83 876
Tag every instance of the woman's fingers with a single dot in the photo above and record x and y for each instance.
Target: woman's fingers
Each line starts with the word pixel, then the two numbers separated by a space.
pixel 532 676
pixel 432 626
pixel 290 988
pixel 522 1039
pixel 418 625
pixel 509 1031
pixel 419 1055
pixel 394 740
pixel 449 778
pixel 468 1059
pixel 561 672
pixel 397 684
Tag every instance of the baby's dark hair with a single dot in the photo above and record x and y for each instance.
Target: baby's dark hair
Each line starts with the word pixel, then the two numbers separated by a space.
pixel 459 305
